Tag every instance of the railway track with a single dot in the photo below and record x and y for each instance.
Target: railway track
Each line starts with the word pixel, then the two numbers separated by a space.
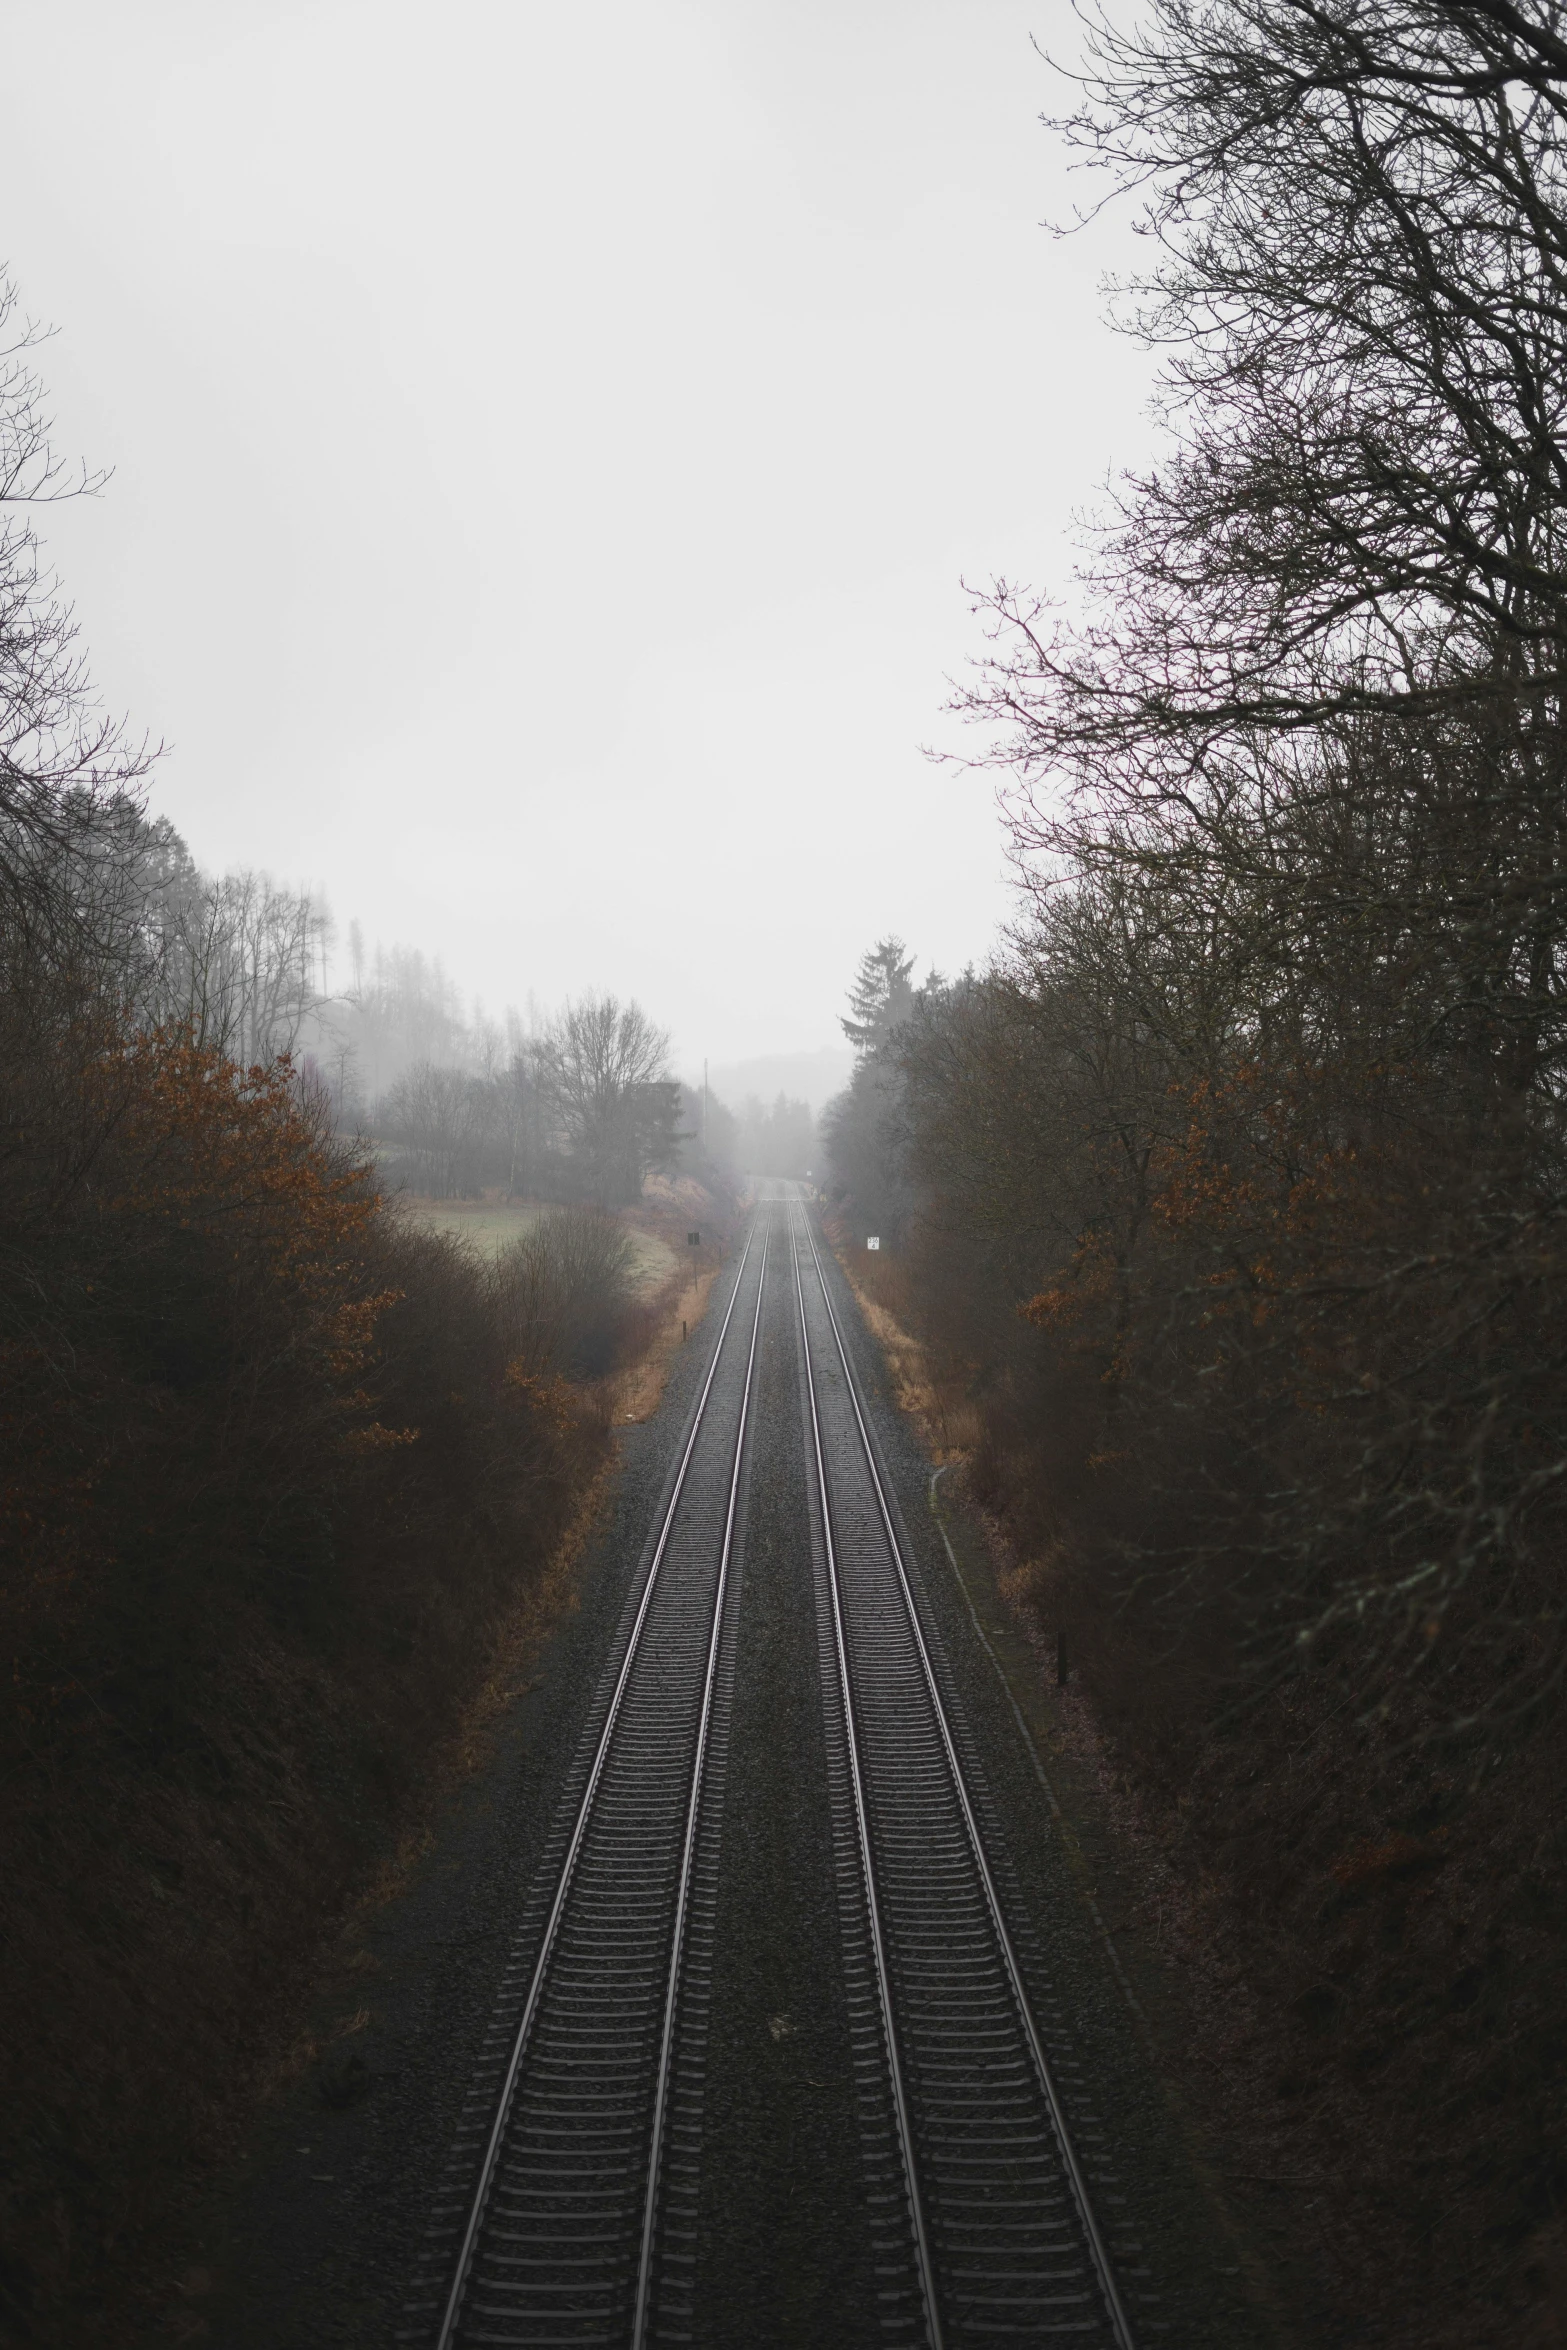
pixel 988 2226
pixel 567 2162
pixel 570 2210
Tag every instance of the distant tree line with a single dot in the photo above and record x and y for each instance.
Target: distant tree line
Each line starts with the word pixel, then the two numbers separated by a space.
pixel 777 1137
pixel 584 1109
pixel 581 1109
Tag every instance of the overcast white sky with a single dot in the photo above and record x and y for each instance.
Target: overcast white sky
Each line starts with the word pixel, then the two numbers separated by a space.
pixel 547 441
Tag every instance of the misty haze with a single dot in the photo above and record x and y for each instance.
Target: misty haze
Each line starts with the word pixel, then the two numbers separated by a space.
pixel 783 1027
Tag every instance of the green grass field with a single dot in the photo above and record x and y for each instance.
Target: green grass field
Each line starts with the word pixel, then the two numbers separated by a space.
pixel 489 1225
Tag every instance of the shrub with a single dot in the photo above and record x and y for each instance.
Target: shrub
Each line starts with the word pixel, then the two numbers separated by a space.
pixel 271 1469
pixel 563 1291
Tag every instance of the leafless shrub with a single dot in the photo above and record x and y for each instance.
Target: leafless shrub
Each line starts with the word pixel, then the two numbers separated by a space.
pixel 444 1118
pixel 564 1290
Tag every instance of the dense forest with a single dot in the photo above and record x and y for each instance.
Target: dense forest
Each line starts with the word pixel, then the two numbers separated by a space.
pixel 1229 1197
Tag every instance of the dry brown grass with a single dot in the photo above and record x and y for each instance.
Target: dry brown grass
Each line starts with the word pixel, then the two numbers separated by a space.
pixel 926 1385
pixel 669 1316
pixel 671 1319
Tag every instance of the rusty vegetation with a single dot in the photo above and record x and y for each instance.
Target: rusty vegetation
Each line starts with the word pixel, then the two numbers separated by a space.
pixel 276 1465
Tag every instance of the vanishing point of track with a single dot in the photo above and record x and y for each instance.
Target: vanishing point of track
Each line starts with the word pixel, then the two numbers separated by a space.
pixel 575 2171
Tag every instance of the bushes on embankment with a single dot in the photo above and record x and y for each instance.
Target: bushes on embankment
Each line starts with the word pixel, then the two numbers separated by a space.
pixel 1325 1692
pixel 273 1463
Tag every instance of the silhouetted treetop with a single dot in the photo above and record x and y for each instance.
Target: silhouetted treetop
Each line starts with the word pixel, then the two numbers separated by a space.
pixel 881 997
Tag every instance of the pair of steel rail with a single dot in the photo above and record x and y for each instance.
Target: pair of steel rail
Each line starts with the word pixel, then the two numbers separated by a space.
pixel 555 2236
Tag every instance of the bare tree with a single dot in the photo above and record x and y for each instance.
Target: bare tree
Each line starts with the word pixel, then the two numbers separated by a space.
pixel 237 961
pixel 1360 214
pixel 447 1121
pixel 613 1109
pixel 66 772
pixel 563 1289
pixel 1352 560
pixel 399 1013
pixel 1277 1074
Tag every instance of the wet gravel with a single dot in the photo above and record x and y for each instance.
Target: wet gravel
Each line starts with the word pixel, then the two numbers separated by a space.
pixel 782 2254
pixel 318 2240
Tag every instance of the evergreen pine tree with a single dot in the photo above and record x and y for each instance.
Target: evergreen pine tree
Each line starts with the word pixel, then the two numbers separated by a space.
pixel 881 998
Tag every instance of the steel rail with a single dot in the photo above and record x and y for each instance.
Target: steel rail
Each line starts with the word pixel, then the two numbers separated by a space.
pixel 900 2103
pixel 481 2194
pixel 666 2050
pixel 1114 2306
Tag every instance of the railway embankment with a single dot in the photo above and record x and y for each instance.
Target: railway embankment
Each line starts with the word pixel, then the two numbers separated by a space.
pixel 1342 1938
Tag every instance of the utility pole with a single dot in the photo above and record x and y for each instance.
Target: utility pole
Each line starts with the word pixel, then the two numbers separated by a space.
pixel 704 1103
